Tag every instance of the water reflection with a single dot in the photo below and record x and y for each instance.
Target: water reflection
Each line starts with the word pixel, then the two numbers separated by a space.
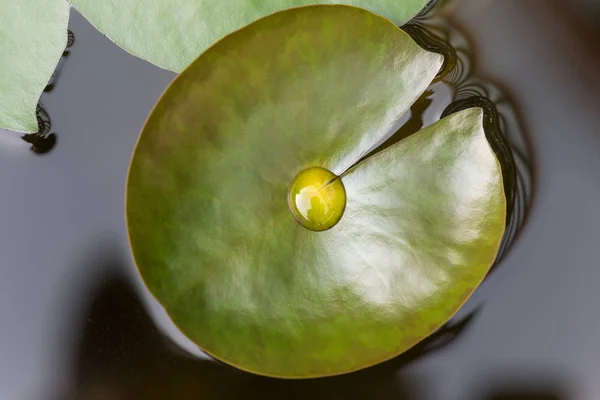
pixel 504 126
pixel 43 141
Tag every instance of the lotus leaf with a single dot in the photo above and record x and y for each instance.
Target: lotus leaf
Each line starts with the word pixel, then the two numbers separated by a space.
pixel 33 36
pixel 207 209
pixel 171 33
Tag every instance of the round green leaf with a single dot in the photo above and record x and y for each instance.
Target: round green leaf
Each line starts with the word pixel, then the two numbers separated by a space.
pixel 171 33
pixel 33 36
pixel 208 217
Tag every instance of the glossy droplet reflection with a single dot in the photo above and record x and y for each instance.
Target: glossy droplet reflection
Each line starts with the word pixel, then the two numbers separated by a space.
pixel 317 199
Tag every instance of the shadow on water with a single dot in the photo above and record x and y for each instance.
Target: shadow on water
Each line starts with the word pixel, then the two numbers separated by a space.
pixel 525 395
pixel 121 355
pixel 526 386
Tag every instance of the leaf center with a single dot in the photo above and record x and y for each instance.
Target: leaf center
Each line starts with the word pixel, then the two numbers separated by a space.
pixel 317 199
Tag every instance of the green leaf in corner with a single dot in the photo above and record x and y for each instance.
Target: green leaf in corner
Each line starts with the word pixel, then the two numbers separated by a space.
pixel 33 36
pixel 219 233
pixel 172 33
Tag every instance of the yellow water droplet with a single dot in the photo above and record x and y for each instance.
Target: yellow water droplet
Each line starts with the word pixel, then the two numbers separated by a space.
pixel 317 199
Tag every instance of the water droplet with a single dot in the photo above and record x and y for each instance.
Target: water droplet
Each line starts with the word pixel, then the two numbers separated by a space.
pixel 317 199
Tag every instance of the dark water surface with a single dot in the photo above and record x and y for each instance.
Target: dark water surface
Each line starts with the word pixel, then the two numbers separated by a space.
pixel 75 324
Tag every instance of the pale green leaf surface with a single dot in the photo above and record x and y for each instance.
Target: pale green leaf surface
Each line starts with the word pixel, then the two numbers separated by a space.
pixel 172 33
pixel 33 36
